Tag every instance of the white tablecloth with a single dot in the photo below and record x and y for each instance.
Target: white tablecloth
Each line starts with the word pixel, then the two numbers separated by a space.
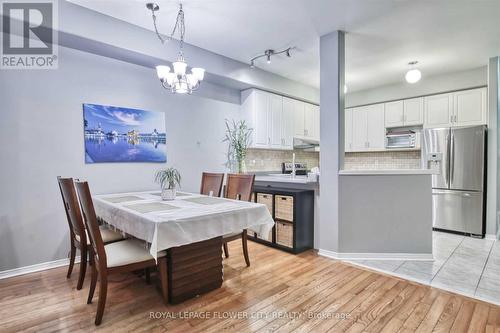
pixel 187 219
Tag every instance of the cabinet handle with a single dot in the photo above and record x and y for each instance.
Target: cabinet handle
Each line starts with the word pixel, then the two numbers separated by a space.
pixel 368 143
pixel 268 140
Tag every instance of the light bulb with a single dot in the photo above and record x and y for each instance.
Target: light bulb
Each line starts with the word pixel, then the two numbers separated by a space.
pixel 252 64
pixel 179 67
pixel 162 72
pixel 268 59
pixel 170 78
pixel 413 76
pixel 192 80
pixel 199 73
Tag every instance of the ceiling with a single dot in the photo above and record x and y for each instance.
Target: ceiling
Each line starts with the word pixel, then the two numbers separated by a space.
pixel 382 35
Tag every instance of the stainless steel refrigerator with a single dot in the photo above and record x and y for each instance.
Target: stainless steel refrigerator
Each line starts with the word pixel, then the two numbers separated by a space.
pixel 458 191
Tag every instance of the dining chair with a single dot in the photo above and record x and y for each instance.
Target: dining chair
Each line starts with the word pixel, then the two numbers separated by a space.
pixel 211 183
pixel 119 257
pixel 78 235
pixel 239 187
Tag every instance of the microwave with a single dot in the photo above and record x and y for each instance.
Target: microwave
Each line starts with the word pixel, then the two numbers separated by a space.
pixel 402 140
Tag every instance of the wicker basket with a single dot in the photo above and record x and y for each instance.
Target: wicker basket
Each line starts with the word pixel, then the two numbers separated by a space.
pixel 284 208
pixel 284 233
pixel 266 199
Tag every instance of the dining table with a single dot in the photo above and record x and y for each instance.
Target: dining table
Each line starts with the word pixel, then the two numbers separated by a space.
pixel 190 228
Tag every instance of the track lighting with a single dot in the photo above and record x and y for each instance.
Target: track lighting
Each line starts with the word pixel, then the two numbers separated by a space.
pixel 269 53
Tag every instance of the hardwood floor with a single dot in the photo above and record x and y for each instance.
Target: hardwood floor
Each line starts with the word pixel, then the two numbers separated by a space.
pixel 279 292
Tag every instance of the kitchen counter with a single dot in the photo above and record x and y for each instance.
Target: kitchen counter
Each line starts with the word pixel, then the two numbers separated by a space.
pixel 281 178
pixel 388 172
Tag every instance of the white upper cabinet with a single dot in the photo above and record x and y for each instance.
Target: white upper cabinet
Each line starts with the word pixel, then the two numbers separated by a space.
pixel 276 120
pixel 394 114
pixel 413 111
pixel 470 107
pixel 287 123
pixel 461 108
pixel 359 129
pixel 438 110
pixel 376 129
pixel 348 130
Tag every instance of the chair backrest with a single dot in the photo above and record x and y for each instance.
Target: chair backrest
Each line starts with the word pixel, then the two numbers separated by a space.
pixel 211 182
pixel 91 223
pixel 72 209
pixel 239 187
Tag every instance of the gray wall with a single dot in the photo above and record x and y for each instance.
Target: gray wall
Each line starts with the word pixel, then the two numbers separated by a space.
pixel 403 226
pixel 42 136
pixel 427 86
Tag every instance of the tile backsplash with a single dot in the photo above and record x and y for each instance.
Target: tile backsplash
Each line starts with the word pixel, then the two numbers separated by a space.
pixel 270 160
pixel 382 160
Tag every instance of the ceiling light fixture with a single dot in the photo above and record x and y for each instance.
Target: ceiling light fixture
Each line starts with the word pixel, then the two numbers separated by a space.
pixel 413 75
pixel 269 53
pixel 177 81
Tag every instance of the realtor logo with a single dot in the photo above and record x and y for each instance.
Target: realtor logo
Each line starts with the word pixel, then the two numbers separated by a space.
pixel 28 35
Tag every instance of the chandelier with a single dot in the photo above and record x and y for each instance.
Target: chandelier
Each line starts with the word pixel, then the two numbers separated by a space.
pixel 177 80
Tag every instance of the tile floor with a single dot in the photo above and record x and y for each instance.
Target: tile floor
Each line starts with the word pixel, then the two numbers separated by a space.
pixel 464 265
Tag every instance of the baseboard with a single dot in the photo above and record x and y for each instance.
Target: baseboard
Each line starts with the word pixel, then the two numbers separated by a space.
pixel 375 256
pixel 490 237
pixel 36 268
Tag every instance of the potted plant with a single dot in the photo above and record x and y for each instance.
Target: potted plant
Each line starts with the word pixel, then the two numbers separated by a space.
pixel 238 137
pixel 168 180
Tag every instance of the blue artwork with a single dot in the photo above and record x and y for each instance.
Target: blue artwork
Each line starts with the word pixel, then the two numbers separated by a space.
pixel 115 134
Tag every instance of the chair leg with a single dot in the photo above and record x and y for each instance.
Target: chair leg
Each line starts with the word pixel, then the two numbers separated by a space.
pixel 162 268
pixel 93 282
pixel 71 260
pixel 103 291
pixel 147 273
pixel 245 248
pixel 226 251
pixel 83 267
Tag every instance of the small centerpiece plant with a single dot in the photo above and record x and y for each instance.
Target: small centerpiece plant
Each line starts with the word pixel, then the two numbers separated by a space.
pixel 238 136
pixel 168 179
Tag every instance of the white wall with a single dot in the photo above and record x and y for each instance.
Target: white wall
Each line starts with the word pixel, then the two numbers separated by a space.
pixel 41 131
pixel 426 86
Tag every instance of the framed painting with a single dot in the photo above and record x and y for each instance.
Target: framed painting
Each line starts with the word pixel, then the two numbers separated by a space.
pixel 117 134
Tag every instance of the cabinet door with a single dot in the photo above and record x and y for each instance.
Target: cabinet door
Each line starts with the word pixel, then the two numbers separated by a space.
pixel 359 129
pixel 298 118
pixel 287 124
pixel 276 112
pixel 348 130
pixel 394 115
pixel 309 120
pixel 261 123
pixel 316 116
pixel 375 127
pixel 438 110
pixel 470 107
pixel 413 111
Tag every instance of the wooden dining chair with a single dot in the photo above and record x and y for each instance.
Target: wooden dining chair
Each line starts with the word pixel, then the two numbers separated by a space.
pixel 211 182
pixel 119 257
pixel 238 187
pixel 78 236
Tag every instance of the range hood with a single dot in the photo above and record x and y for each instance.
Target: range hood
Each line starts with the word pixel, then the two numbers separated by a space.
pixel 308 144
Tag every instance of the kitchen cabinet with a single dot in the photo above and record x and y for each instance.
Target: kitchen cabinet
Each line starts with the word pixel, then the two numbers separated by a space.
pixel 413 111
pixel 470 107
pixel 408 112
pixel 368 128
pixel 265 113
pixel 287 123
pixel 438 110
pixel 461 108
pixel 306 120
pixel 348 130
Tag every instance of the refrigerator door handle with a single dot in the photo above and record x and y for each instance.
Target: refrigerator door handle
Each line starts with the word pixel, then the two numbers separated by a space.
pixel 452 156
pixel 447 166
